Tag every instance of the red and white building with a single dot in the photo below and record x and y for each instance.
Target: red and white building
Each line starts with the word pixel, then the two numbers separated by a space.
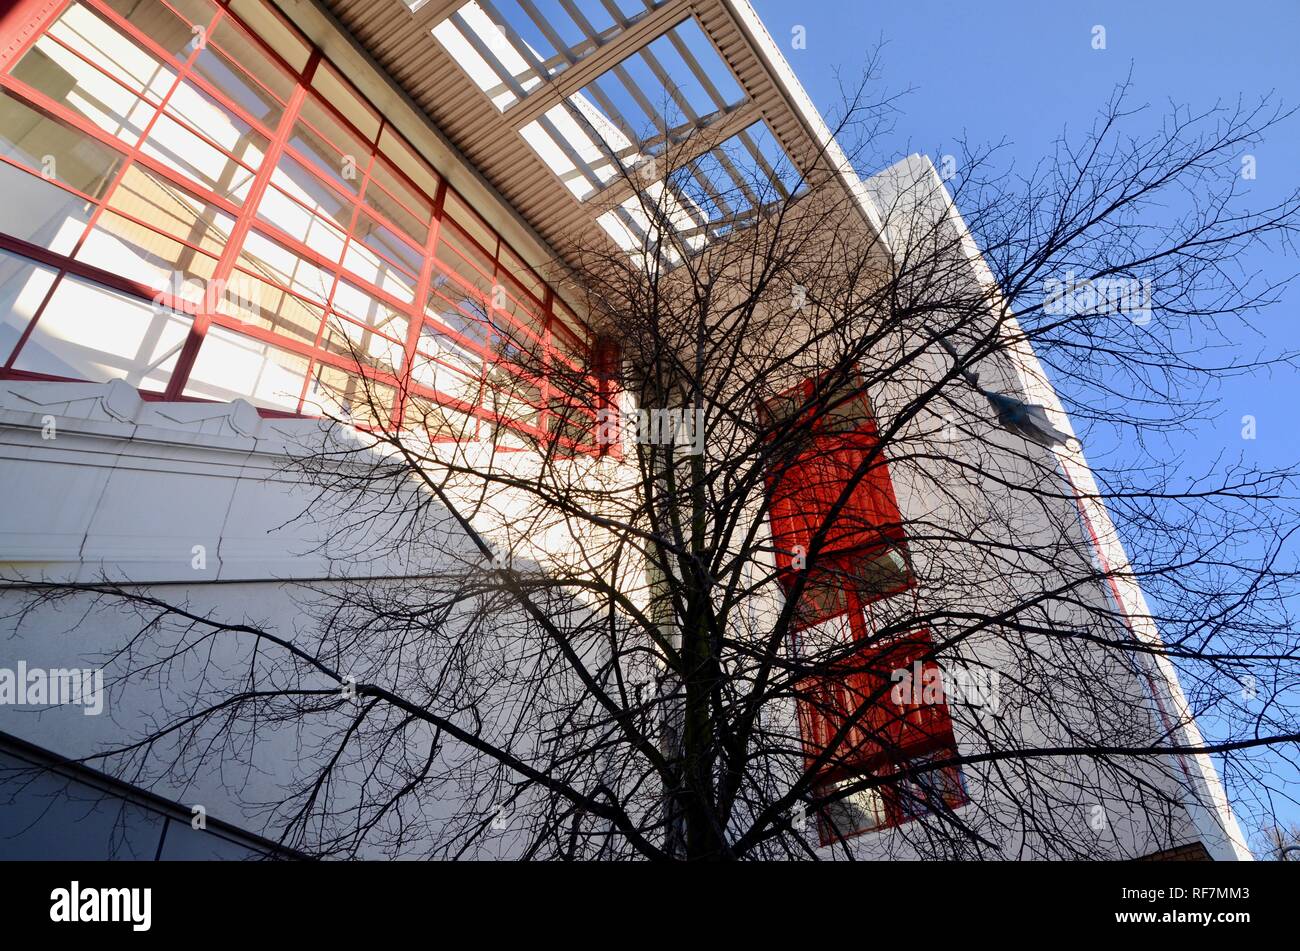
pixel 223 219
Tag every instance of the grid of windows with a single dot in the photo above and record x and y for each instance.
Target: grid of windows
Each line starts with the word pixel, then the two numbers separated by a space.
pixel 211 211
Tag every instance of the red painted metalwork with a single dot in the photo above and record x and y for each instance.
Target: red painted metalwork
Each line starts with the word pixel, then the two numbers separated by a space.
pixel 238 234
pixel 21 24
pixel 835 490
pixel 838 486
pixel 423 284
pixel 607 365
pixel 877 713
pixel 104 199
pixel 878 725
pixel 834 515
pixel 817 493
pixel 481 287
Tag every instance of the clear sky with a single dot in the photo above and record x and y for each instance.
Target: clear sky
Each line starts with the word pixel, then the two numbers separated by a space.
pixel 1024 70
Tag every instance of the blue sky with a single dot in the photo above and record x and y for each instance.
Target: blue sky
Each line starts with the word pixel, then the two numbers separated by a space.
pixel 1022 71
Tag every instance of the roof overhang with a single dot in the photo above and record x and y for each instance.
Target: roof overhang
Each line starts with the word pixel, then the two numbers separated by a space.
pixel 538 118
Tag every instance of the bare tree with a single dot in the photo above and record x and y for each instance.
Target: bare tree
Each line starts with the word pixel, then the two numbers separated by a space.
pixel 843 567
pixel 1283 843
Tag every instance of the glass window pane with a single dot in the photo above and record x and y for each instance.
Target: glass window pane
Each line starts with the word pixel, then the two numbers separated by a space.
pixel 272 31
pixel 85 91
pixel 54 148
pixel 232 366
pixel 390 245
pixel 297 182
pixel 337 394
pixel 380 270
pixel 54 69
pixel 41 212
pixel 523 310
pixel 162 25
pixel 218 124
pixel 323 141
pixel 253 59
pixel 226 62
pixel 135 252
pixel 455 372
pixel 264 258
pixel 91 332
pixel 259 304
pixel 300 224
pixel 361 349
pixel 23 285
pixel 452 307
pixel 514 266
pixel 465 261
pixel 364 314
pixel 570 422
pixel 370 267
pixel 564 340
pixel 339 93
pixel 410 225
pixel 469 222
pixel 854 812
pixel 179 149
pixel 418 204
pixel 439 423
pixel 512 398
pixel 405 158
pixel 146 195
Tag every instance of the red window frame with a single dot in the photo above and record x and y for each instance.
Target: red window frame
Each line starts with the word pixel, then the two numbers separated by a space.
pixel 607 361
pixel 483 275
pixel 885 732
pixel 887 737
pixel 802 492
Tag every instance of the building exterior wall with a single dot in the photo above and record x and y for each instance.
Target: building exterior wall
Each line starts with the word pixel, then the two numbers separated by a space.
pixel 202 208
pixel 911 196
pixel 207 505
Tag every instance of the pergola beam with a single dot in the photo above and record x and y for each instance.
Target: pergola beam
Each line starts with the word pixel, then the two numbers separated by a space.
pixel 703 139
pixel 434 12
pixel 642 31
